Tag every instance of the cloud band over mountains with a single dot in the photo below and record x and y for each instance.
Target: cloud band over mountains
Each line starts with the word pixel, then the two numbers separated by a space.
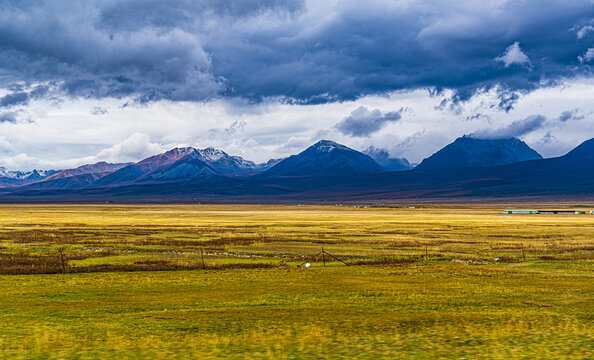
pixel 516 129
pixel 363 122
pixel 297 51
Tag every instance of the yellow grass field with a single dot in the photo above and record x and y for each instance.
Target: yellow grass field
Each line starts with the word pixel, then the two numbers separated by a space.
pixel 436 281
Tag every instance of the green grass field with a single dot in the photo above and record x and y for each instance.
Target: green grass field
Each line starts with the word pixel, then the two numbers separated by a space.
pixel 441 281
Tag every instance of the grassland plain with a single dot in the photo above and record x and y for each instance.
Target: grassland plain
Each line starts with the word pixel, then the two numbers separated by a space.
pixel 441 281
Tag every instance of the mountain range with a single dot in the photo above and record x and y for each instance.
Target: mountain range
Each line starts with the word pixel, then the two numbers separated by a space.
pixel 10 178
pixel 468 167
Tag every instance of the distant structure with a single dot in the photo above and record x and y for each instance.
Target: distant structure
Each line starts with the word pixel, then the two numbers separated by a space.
pixel 559 212
pixel 520 211
pixel 562 212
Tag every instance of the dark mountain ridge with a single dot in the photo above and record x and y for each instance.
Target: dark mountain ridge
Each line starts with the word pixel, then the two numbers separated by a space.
pixel 324 158
pixel 468 151
pixel 102 168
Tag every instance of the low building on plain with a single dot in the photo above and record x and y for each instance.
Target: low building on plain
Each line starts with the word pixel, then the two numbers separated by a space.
pixel 562 212
pixel 555 212
pixel 520 211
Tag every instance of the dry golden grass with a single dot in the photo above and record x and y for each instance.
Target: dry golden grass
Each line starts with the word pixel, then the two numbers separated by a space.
pixel 441 281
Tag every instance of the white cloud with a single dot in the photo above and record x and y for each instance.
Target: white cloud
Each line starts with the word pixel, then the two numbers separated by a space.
pixel 19 161
pixel 515 129
pixel 550 144
pixel 513 55
pixel 583 31
pixel 135 147
pixel 5 146
pixel 588 56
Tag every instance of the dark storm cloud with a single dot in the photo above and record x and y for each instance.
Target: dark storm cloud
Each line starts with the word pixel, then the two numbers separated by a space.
pixel 19 97
pixel 575 114
pixel 374 48
pixel 363 122
pixel 297 52
pixel 515 129
pixel 63 41
pixel 132 15
pixel 14 99
pixel 8 117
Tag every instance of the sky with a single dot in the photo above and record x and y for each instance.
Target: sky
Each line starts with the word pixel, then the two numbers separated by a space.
pixel 117 81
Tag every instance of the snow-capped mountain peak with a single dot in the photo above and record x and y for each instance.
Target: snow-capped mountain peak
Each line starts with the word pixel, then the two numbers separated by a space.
pixel 212 154
pixel 326 146
pixel 4 172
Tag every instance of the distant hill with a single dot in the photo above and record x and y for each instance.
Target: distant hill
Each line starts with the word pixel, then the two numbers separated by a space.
pixel 325 158
pixel 467 151
pixel 382 157
pixel 77 177
pixel 69 182
pixel 101 168
pixel 582 154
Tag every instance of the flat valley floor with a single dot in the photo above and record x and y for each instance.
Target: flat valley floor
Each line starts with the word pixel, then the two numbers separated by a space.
pixel 222 281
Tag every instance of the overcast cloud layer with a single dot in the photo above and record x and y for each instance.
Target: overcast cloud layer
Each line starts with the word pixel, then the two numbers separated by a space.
pixel 304 52
pixel 268 64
